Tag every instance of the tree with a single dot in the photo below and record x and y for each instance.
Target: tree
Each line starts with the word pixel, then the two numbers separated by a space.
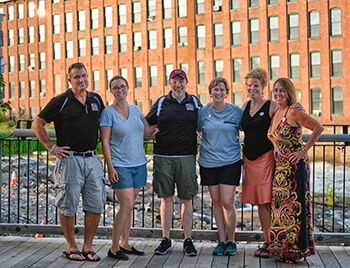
pixel 4 106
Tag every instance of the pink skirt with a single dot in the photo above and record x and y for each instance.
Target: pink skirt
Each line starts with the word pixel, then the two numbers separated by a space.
pixel 257 183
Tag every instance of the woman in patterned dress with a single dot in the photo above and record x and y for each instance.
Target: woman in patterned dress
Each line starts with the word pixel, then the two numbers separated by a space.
pixel 291 221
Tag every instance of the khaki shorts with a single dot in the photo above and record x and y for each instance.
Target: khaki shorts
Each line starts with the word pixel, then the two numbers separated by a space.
pixel 75 175
pixel 181 171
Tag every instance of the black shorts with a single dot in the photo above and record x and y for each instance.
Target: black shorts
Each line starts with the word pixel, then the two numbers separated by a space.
pixel 230 175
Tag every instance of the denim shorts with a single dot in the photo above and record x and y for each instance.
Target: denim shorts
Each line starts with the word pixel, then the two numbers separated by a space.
pixel 75 175
pixel 229 175
pixel 131 177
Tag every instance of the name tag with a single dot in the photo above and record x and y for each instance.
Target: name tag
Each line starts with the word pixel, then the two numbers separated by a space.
pixel 189 107
pixel 94 107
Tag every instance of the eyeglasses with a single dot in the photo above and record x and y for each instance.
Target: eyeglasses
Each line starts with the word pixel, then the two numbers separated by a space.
pixel 78 65
pixel 122 87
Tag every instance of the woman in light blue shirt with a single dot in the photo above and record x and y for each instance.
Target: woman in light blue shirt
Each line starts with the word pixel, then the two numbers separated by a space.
pixel 122 129
pixel 220 160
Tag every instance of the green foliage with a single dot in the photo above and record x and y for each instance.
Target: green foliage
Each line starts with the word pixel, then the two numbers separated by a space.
pixel 4 106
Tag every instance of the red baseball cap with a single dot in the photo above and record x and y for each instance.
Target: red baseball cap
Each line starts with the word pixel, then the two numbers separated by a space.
pixel 178 72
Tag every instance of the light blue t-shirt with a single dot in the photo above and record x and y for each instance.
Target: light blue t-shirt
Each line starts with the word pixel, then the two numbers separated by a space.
pixel 126 137
pixel 220 144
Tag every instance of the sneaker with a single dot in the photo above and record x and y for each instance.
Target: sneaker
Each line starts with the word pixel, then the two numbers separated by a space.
pixel 220 249
pixel 231 248
pixel 189 248
pixel 164 246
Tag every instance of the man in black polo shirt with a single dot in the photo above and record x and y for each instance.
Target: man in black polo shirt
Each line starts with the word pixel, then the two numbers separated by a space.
pixel 175 157
pixel 76 115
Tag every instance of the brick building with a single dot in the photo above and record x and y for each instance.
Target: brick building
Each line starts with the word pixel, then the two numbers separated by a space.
pixel 144 40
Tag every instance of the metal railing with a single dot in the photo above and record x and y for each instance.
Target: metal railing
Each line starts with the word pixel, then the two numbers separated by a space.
pixel 30 200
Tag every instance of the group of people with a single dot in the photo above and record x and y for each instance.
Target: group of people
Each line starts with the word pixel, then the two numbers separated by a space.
pixel 276 171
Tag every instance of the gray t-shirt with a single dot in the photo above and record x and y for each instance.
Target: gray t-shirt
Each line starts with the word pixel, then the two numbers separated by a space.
pixel 220 144
pixel 126 137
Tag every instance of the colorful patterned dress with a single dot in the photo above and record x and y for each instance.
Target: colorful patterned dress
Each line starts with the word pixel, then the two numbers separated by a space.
pixel 291 221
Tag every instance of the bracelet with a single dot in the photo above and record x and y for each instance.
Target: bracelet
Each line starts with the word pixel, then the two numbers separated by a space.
pixel 303 151
pixel 53 146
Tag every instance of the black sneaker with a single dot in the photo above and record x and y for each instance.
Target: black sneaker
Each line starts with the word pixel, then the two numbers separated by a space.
pixel 164 246
pixel 189 248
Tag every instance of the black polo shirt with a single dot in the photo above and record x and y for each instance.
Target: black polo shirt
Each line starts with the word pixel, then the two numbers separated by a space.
pixel 76 125
pixel 177 123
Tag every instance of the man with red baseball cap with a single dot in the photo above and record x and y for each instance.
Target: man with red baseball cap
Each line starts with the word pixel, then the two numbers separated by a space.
pixel 175 156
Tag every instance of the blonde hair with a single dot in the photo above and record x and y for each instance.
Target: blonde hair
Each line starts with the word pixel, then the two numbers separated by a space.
pixel 216 81
pixel 260 74
pixel 288 86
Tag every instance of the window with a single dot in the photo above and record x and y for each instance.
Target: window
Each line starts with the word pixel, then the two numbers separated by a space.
pixel 20 11
pixel 137 41
pixel 168 37
pixel 124 72
pixel 11 37
pixel 55 1
pixel 81 20
pixel 69 22
pixel 56 24
pixel 183 36
pixel 21 90
pixel 2 65
pixel 337 63
pixel 335 21
pixel 41 8
pixel 96 80
pixel 136 12
pixel 138 103
pixel 218 35
pixel 109 76
pixel 152 39
pixel 11 90
pixel 138 77
pixel 274 67
pixel 201 36
pixel 253 3
pixel 56 51
pixel 32 113
pixel 31 34
pixel 315 61
pixel 219 68
pixel 57 83
pixel 41 33
pixel 122 14
pixel 69 49
pixel 31 9
pixel 237 70
pixel 293 26
pixel 298 93
pixel 166 9
pixel 182 8
pixel 94 46
pixel 254 31
pixel 42 89
pixel 168 69
pixel 81 48
pixel 153 72
pixel 203 98
pixel 11 63
pixel 201 72
pixel 337 98
pixel 314 20
pixel 31 89
pixel 255 62
pixel 122 43
pixel 42 61
pixel 21 62
pixel 237 98
pixel 217 5
pixel 235 4
pixel 31 61
pixel 294 66
pixel 273 29
pixel 10 13
pixel 151 10
pixel 200 7
pixel 236 33
pixel 316 101
pixel 273 2
pixel 94 18
pixel 20 36
pixel 184 67
pixel 108 44
pixel 108 22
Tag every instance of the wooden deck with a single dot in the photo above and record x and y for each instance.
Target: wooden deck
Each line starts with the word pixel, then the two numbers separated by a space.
pixel 17 251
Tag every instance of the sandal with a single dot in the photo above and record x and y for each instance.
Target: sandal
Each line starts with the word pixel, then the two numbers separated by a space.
pixel 262 251
pixel 67 254
pixel 92 253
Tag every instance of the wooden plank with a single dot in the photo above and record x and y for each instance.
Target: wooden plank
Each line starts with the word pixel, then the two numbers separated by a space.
pixel 190 261
pixel 341 256
pixel 52 256
pixel 237 260
pixel 220 261
pixel 8 246
pixel 315 261
pixel 142 261
pixel 171 259
pixel 249 259
pixel 205 255
pixel 125 264
pixel 327 257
